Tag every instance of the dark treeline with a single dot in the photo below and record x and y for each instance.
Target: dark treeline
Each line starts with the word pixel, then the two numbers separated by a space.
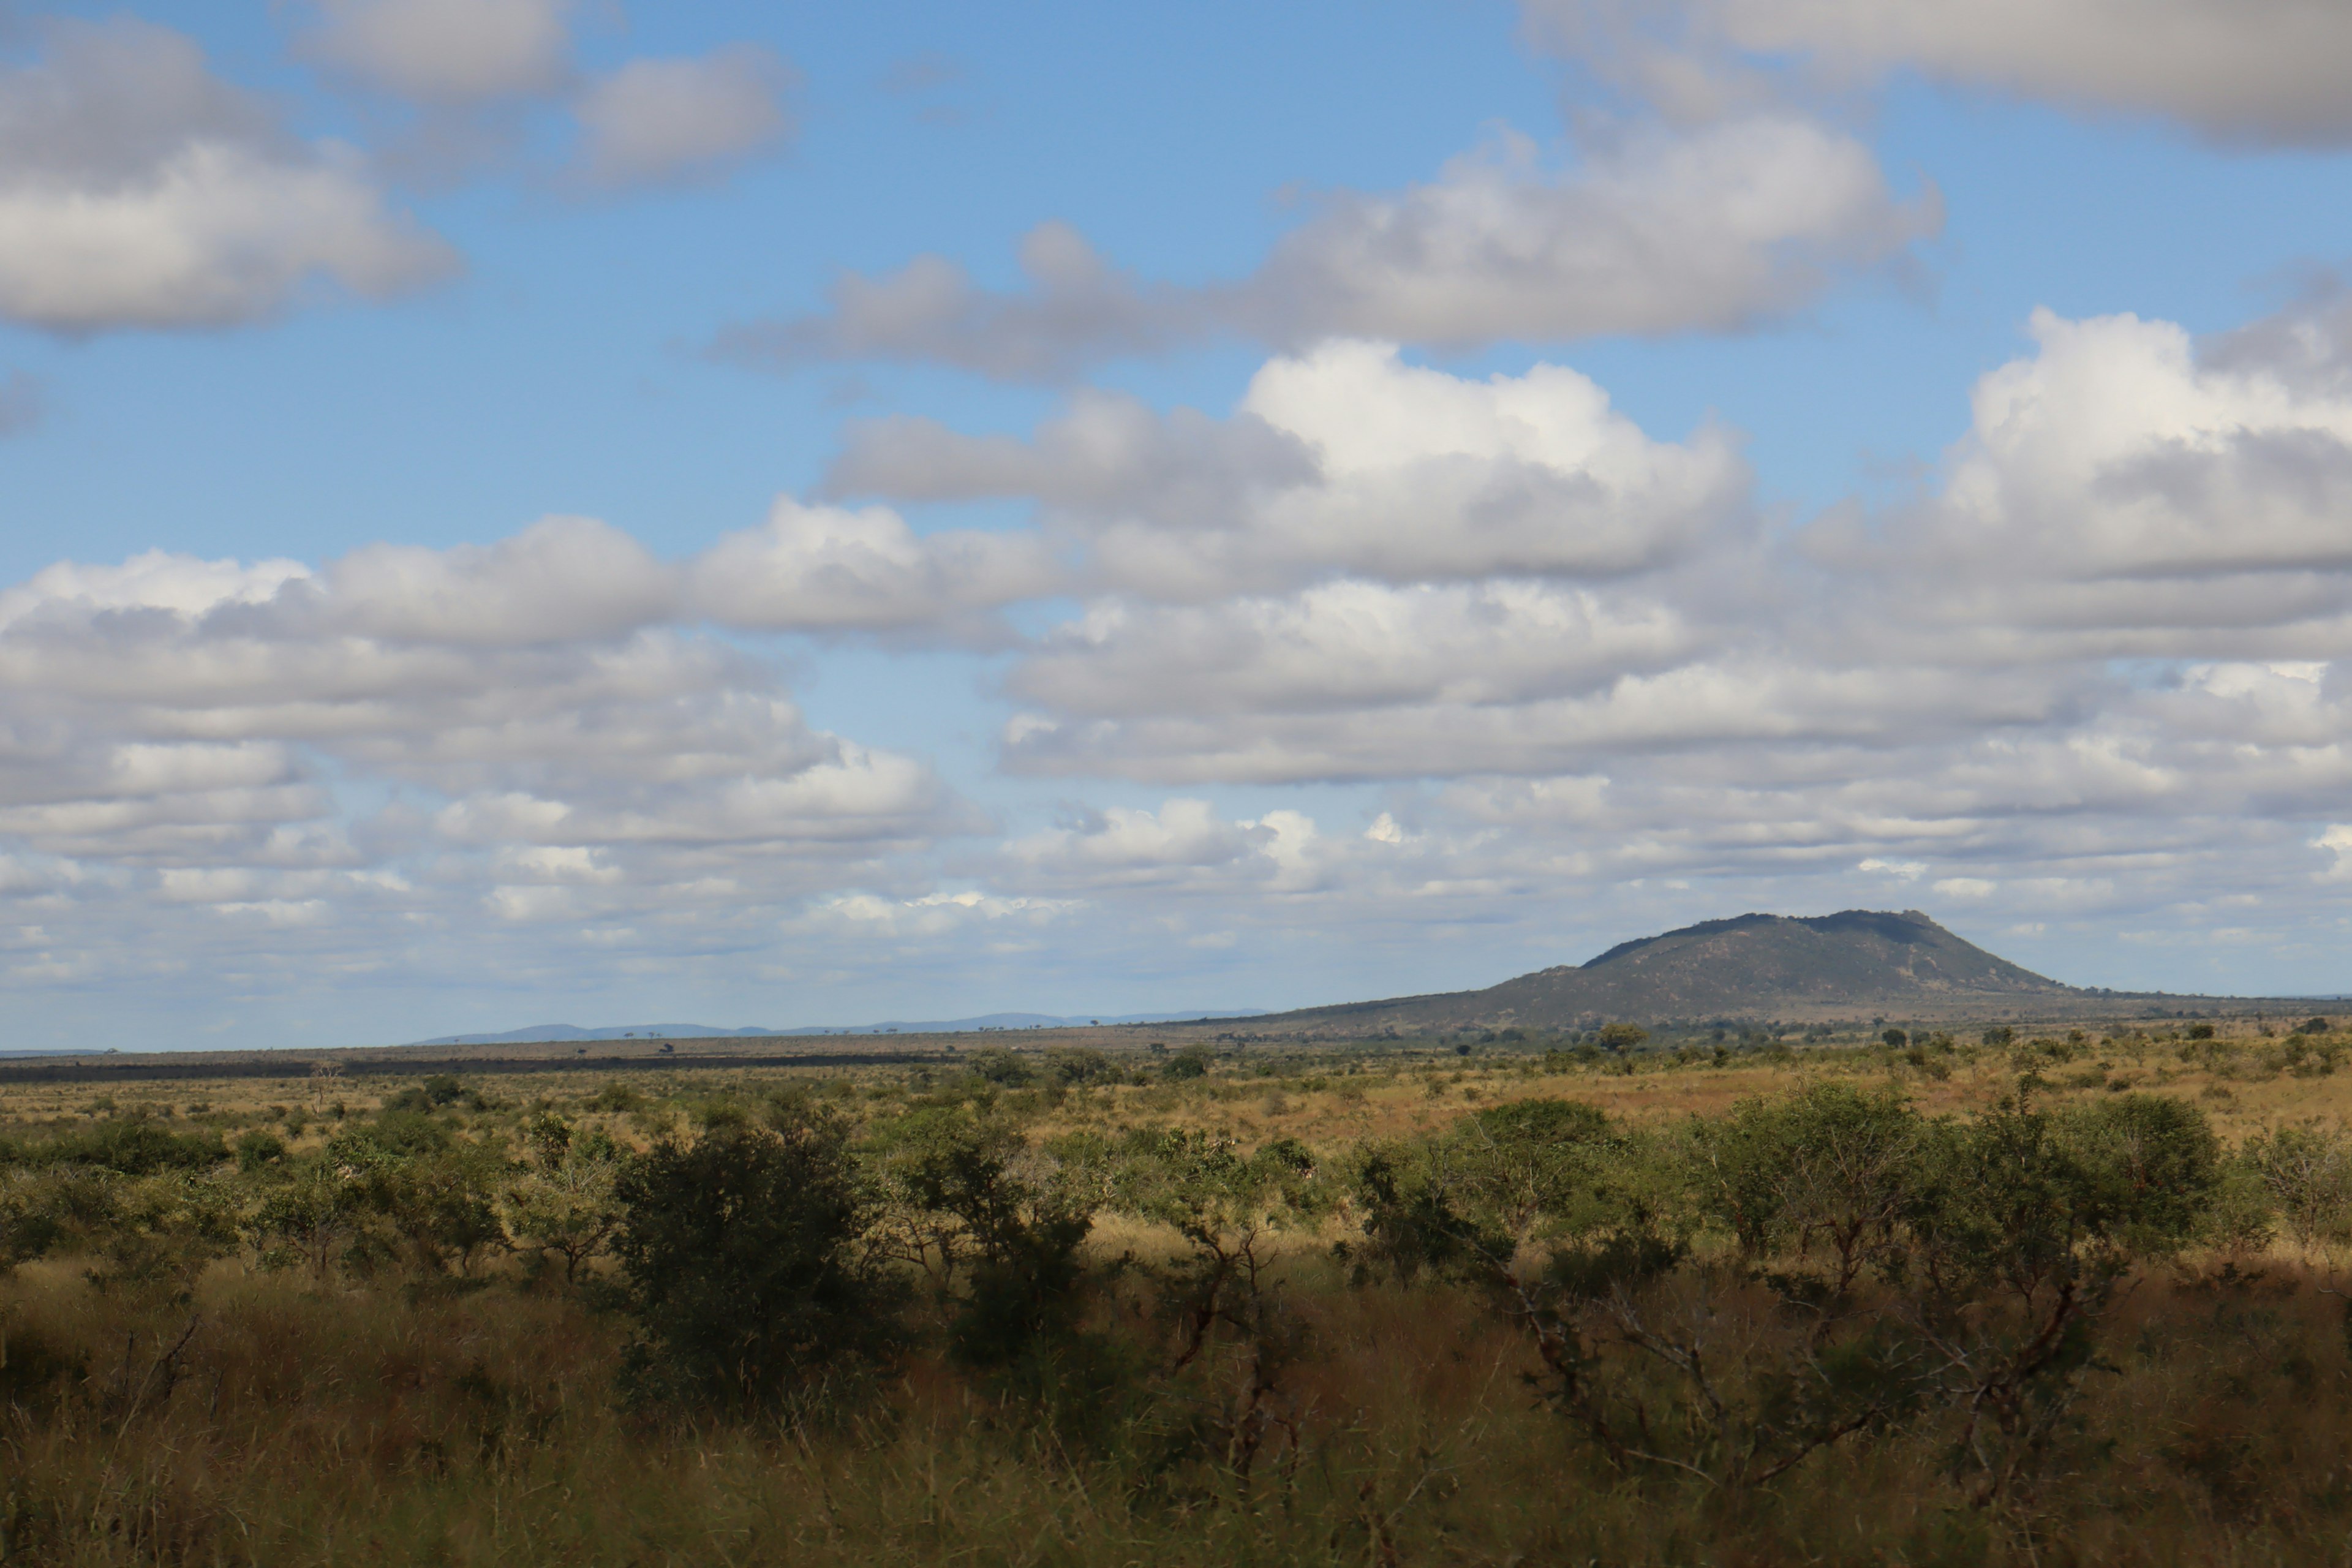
pixel 2040 1329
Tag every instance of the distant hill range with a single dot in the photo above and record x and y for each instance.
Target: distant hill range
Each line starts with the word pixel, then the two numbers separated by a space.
pixel 541 1034
pixel 1857 965
pixel 1851 966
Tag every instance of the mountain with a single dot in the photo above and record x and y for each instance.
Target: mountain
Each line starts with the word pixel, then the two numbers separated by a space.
pixel 1856 964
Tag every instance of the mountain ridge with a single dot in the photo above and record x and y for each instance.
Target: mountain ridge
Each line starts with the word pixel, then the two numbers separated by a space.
pixel 1853 963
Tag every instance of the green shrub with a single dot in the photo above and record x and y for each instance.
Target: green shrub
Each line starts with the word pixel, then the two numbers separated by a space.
pixel 1076 1065
pixel 1190 1062
pixel 2306 1173
pixel 743 1262
pixel 128 1147
pixel 1001 1068
pixel 258 1152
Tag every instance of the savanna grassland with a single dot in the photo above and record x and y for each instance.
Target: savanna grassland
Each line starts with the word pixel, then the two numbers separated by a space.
pixel 1972 1295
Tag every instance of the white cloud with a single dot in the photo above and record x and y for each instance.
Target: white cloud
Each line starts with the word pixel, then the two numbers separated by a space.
pixel 821 568
pixel 2078 675
pixel 2337 842
pixel 1344 459
pixel 137 190
pixel 382 751
pixel 658 120
pixel 562 579
pixel 2259 70
pixel 1708 229
pixel 448 51
pixel 933 915
pixel 2126 491
pixel 1078 308
pixel 1656 232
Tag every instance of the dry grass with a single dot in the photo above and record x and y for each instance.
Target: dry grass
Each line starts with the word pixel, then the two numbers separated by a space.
pixel 382 1424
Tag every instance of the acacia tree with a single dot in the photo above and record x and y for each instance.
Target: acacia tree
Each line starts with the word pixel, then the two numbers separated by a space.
pixel 1234 1212
pixel 562 1204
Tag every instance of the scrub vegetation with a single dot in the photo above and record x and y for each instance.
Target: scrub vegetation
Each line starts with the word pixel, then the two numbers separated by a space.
pixel 1728 1294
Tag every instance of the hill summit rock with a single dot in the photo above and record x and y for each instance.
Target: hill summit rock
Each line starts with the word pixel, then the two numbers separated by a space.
pixel 1853 963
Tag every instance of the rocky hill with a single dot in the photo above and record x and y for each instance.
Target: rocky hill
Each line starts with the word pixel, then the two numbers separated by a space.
pixel 1856 964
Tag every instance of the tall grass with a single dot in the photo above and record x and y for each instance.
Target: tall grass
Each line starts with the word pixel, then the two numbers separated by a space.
pixel 381 1426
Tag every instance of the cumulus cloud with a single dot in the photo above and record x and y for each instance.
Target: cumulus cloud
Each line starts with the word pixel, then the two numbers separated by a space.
pixel 1658 232
pixel 2125 491
pixel 137 190
pixel 1184 846
pixel 1075 310
pixel 2106 655
pixel 821 568
pixel 405 742
pixel 448 51
pixel 1342 461
pixel 2102 663
pixel 658 120
pixel 1707 229
pixel 2239 70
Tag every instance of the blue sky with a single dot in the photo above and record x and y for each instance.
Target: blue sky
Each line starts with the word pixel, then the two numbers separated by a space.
pixel 513 509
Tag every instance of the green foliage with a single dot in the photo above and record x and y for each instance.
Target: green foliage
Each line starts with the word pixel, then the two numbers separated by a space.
pixel 1001 1068
pixel 1623 1036
pixel 160 1232
pixel 2306 1173
pixel 997 1225
pixel 437 1092
pixel 258 1150
pixel 1076 1066
pixel 559 1205
pixel 127 1146
pixel 1192 1062
pixel 744 1263
pixel 1827 1175
pixel 616 1096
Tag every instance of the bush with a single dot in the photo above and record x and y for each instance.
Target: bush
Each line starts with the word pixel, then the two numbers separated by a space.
pixel 2306 1173
pixel 1623 1036
pixel 743 1262
pixel 616 1096
pixel 1080 1065
pixel 435 1092
pixel 1001 1068
pixel 1192 1061
pixel 1830 1167
pixel 258 1152
pixel 128 1147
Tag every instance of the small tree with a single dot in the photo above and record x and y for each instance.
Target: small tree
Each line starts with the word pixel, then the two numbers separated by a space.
pixel 561 1204
pixel 1829 1168
pixel 743 1259
pixel 2308 1172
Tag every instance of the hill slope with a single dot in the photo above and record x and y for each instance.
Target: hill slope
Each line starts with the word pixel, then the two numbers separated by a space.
pixel 1853 963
